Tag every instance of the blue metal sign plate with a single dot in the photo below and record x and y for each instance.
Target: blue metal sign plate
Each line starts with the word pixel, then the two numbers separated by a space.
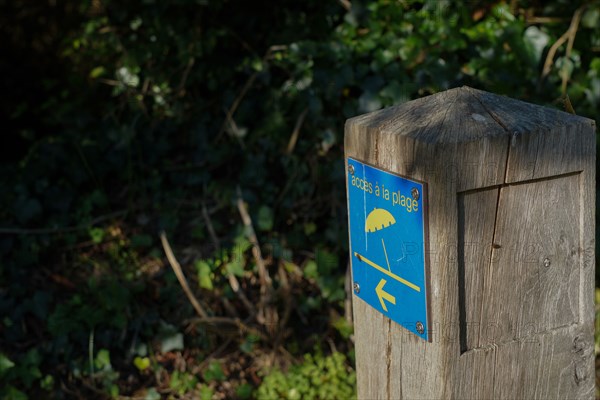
pixel 388 244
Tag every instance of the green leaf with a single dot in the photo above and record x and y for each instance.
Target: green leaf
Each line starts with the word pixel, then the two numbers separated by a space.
pixel 97 235
pixel 97 72
pixel 537 40
pixel 326 261
pixel 141 363
pixel 343 327
pixel 182 382
pixel 47 383
pixel 204 274
pixel 135 23
pixel 265 218
pixel 310 270
pixel 244 391
pixel 12 393
pixel 248 345
pixel 206 392
pixel 310 228
pixel 152 394
pixel 102 361
pixel 590 18
pixel 5 363
pixel 214 372
pixel 235 267
pixel 171 341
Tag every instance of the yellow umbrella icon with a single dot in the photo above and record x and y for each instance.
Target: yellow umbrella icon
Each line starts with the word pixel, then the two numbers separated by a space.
pixel 376 220
pixel 380 219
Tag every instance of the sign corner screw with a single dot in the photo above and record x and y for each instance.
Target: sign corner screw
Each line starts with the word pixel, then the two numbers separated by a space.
pixel 415 193
pixel 356 287
pixel 351 169
pixel 420 327
pixel 547 262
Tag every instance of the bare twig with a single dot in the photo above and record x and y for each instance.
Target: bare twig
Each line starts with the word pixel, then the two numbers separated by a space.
pixel 186 73
pixel 91 353
pixel 46 231
pixel 569 36
pixel 296 131
pixel 267 314
pixel 533 20
pixel 567 103
pixel 180 276
pixel 210 227
pixel 235 286
pixel 233 281
pixel 346 4
pixel 263 274
pixel 236 103
pixel 573 31
pixel 285 295
pixel 552 52
pixel 229 307
pixel 234 106
pixel 234 130
pixel 241 325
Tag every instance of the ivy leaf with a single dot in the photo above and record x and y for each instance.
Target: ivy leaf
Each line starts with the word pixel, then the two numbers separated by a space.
pixel 204 274
pixel 265 219
pixel 141 363
pixel 5 363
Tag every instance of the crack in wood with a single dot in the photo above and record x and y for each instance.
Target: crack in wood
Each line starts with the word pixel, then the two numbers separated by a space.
pixel 388 360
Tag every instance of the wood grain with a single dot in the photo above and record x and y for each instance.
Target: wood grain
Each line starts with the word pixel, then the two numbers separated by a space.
pixel 510 184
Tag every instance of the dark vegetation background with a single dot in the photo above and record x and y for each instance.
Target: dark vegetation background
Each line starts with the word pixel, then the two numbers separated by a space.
pixel 221 123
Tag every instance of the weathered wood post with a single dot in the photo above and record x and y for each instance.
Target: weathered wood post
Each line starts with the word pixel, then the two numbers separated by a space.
pixel 472 249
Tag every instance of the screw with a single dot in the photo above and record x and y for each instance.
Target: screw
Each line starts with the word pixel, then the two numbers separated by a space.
pixel 415 193
pixel 420 328
pixel 356 287
pixel 546 262
pixel 351 169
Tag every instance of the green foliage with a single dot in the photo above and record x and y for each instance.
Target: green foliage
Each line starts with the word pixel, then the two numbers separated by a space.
pixel 214 372
pixel 5 363
pixel 183 382
pixel 318 377
pixel 127 118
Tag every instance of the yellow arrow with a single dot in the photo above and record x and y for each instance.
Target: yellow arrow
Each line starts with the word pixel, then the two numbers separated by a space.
pixel 383 295
pixel 388 273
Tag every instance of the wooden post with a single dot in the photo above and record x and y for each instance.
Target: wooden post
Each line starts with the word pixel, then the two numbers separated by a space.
pixel 509 250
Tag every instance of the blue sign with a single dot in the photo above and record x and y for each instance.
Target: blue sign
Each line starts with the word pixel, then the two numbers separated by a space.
pixel 388 244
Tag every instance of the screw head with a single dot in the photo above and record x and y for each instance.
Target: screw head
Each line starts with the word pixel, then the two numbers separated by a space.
pixel 420 327
pixel 356 287
pixel 415 193
pixel 547 262
pixel 351 169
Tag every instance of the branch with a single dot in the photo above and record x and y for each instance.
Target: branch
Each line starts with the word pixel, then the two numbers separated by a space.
pixel 346 4
pixel 296 131
pixel 186 72
pixel 568 35
pixel 241 325
pixel 234 106
pixel 236 103
pixel 263 274
pixel 180 277
pixel 210 227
